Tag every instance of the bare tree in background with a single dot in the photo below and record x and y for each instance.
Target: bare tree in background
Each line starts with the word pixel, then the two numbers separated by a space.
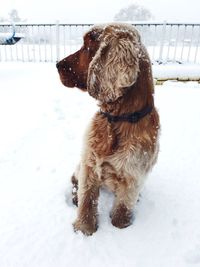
pixel 13 16
pixel 133 13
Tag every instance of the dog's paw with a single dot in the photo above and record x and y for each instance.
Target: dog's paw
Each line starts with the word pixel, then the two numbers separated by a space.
pixel 87 228
pixel 122 217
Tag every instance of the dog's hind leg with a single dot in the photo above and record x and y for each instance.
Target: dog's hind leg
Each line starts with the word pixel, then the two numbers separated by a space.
pixel 74 181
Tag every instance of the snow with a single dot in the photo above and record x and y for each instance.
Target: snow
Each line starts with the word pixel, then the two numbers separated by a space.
pixel 177 71
pixel 42 124
pixel 5 36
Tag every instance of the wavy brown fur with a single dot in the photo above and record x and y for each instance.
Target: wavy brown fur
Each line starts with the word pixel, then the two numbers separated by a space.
pixel 114 67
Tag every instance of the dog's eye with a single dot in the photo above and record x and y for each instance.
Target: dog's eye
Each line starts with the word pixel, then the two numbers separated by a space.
pixel 86 49
pixel 94 35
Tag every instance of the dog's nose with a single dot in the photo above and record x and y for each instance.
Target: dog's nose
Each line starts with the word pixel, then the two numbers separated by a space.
pixel 57 65
pixel 62 65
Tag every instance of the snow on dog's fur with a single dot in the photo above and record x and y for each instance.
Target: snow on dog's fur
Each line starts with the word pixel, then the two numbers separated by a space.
pixel 114 67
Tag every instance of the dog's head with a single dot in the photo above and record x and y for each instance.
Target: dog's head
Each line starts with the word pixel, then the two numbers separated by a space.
pixel 107 63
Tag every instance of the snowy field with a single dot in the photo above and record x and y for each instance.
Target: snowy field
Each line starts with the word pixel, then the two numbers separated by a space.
pixel 42 124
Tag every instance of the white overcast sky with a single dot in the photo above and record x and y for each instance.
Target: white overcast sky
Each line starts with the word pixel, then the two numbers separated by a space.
pixel 93 11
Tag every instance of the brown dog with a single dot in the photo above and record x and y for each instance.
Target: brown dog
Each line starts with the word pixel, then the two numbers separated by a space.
pixel 121 143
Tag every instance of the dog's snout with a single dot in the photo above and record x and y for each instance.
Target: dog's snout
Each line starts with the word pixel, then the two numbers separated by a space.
pixel 59 65
pixel 63 65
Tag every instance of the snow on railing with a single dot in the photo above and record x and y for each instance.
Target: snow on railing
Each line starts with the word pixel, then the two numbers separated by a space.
pixel 10 38
pixel 166 42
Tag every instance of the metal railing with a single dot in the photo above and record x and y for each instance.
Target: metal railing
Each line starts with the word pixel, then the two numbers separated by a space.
pixel 166 42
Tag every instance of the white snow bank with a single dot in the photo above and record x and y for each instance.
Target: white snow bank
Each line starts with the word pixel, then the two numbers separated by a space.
pixel 177 71
pixel 42 124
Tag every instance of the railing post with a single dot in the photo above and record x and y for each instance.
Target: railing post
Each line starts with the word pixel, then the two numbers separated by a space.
pixel 57 41
pixel 162 42
pixel 197 47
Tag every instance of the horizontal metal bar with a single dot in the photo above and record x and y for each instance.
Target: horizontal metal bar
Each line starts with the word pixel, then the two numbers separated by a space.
pixel 140 23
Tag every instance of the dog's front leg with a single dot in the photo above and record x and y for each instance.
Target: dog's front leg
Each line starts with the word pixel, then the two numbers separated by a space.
pixel 88 193
pixel 126 196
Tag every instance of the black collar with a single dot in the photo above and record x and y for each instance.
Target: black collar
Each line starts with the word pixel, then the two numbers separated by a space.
pixel 128 117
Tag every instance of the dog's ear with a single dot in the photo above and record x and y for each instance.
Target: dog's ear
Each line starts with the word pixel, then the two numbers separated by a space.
pixel 115 65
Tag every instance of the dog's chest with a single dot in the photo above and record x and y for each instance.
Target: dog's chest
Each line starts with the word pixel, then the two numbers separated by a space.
pixel 102 139
pixel 134 161
pixel 122 146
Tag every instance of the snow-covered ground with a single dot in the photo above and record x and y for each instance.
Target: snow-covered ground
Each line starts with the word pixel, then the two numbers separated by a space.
pixel 42 124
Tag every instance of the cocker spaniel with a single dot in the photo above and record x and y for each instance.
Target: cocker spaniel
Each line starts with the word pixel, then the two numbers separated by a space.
pixel 121 143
